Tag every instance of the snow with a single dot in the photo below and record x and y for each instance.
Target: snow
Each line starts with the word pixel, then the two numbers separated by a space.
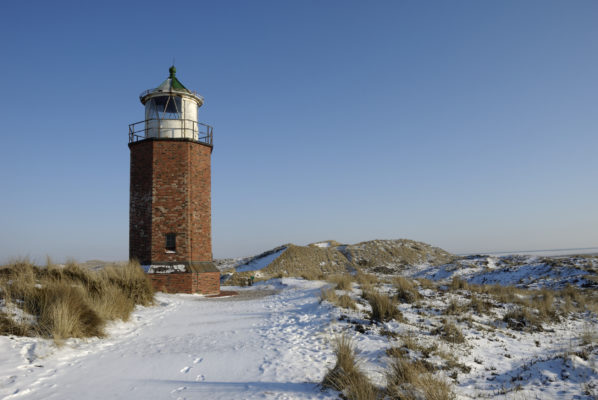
pixel 517 270
pixel 164 269
pixel 550 253
pixel 258 263
pixel 322 245
pixel 250 346
pixel 272 341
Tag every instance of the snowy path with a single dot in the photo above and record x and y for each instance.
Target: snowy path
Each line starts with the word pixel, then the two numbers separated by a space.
pixel 186 347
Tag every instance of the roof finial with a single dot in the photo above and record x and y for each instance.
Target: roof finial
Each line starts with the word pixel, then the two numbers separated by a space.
pixel 172 71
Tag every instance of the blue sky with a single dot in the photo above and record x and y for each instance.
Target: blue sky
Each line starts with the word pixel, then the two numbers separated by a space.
pixel 470 125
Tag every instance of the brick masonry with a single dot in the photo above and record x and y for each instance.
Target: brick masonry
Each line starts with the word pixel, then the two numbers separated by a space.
pixel 187 282
pixel 170 192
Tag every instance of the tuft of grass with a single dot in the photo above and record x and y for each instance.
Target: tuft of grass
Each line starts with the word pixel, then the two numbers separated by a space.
pixel 328 295
pixel 588 336
pixel 426 283
pixel 342 281
pixel 426 351
pixel 365 279
pixel 312 275
pixel 344 301
pixel 521 319
pixel 479 305
pixel 10 326
pixel 65 313
pixel 454 308
pixel 458 284
pixel 449 332
pixel 406 289
pixel 70 301
pixel 544 303
pixel 346 376
pixel 384 308
pixel 410 380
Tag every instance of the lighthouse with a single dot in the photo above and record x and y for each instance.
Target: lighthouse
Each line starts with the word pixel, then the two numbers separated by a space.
pixel 170 191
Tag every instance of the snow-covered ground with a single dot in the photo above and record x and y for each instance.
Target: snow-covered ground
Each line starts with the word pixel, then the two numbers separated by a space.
pixel 273 341
pixel 270 342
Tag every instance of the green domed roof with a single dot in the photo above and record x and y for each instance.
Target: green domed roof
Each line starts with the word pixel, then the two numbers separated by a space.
pixel 172 83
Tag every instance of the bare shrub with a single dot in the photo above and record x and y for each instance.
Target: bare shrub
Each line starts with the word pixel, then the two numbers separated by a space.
pixel 449 332
pixel 346 376
pixel 406 289
pixel 384 308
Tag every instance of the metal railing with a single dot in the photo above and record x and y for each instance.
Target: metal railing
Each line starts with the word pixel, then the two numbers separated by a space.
pixel 186 129
pixel 186 91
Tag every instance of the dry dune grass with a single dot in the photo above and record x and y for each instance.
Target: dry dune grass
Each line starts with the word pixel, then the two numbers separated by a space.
pixel 410 380
pixel 403 251
pixel 69 301
pixel 342 281
pixel 346 376
pixel 384 307
pixel 406 289
pixel 449 332
pixel 365 279
pixel 405 379
pixel 545 305
pixel 308 261
pixel 344 301
pixel 314 262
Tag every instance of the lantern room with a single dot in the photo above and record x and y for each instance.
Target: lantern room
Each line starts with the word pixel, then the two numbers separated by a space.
pixel 171 113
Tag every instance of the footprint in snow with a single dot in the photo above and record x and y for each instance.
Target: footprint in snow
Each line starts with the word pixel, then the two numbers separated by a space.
pixel 179 389
pixel 28 352
pixel 200 378
pixel 185 370
pixel 197 360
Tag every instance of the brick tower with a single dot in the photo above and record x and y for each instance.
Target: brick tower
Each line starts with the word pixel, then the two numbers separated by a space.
pixel 170 193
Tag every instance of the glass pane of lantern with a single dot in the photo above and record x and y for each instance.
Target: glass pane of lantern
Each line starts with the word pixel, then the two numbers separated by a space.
pixel 152 109
pixel 167 107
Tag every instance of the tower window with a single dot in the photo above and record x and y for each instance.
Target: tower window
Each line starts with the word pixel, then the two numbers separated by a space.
pixel 171 242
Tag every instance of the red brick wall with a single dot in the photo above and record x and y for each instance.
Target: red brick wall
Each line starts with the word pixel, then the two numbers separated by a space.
pixel 170 193
pixel 140 203
pixel 187 282
pixel 172 283
pixel 206 282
